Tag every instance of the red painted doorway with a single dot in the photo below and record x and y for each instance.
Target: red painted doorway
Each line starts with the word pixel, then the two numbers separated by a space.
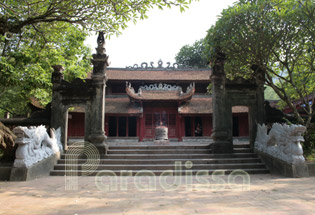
pixel 154 117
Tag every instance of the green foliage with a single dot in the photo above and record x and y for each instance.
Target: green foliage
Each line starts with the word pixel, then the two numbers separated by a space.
pixel 27 59
pixel 193 55
pixel 277 36
pixel 34 35
pixel 310 157
pixel 309 144
pixel 270 94
pixel 93 15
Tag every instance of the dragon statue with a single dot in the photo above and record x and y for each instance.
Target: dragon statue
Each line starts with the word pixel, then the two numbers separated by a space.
pixel 282 142
pixel 34 145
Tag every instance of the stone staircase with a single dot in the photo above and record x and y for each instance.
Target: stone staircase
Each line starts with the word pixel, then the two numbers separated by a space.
pixel 130 159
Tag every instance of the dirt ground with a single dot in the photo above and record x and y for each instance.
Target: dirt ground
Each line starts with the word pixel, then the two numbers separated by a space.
pixel 258 194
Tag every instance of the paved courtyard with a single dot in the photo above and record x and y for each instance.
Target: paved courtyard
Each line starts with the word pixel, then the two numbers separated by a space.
pixel 263 194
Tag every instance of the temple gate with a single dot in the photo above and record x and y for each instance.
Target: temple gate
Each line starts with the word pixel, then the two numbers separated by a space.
pixel 227 94
pixel 142 109
pixel 89 94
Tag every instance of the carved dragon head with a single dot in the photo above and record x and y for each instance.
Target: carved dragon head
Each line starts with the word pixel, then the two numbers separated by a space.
pixel 21 136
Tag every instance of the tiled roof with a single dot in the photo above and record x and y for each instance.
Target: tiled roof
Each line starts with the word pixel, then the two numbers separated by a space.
pixel 204 106
pixel 36 103
pixel 160 95
pixel 240 109
pixel 197 106
pixel 117 106
pixel 158 75
pixel 122 106
pixel 194 106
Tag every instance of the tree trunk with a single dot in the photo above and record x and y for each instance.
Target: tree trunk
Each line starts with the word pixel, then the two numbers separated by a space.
pixel 7 144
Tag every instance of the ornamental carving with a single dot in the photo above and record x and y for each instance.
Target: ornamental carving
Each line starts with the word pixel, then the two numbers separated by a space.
pixel 161 87
pixel 34 145
pixel 282 142
pixel 151 66
pixel 173 92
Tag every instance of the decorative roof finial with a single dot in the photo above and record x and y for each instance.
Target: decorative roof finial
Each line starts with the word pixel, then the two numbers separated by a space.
pixel 57 76
pixel 100 43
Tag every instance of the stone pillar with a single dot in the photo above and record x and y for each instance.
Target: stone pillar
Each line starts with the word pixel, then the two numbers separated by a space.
pixel 87 121
pixel 258 114
pixel 97 108
pixel 58 110
pixel 228 117
pixel 141 127
pixel 252 124
pixel 179 127
pixel 260 97
pixel 221 119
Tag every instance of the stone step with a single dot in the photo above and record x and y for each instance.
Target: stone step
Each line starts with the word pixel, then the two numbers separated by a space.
pixel 162 147
pixel 159 151
pixel 165 156
pixel 162 166
pixel 172 151
pixel 243 150
pixel 164 161
pixel 241 146
pixel 151 147
pixel 168 151
pixel 124 158
pixel 157 172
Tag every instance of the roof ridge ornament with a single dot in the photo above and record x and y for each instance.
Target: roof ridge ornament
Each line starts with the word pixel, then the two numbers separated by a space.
pixel 174 91
pixel 160 87
pixel 147 66
pixel 101 43
pixel 100 59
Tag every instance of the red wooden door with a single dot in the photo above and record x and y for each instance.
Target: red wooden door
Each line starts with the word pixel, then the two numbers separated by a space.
pixel 148 129
pixel 172 128
pixel 76 124
pixel 154 118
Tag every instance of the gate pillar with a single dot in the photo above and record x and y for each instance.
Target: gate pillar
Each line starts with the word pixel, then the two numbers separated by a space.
pixel 221 135
pixel 97 108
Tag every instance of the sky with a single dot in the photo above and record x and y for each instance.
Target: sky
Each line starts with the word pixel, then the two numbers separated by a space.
pixel 163 34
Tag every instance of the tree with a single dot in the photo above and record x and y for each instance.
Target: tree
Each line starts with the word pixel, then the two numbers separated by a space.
pixel 93 15
pixel 36 34
pixel 7 144
pixel 26 63
pixel 192 55
pixel 275 36
pixel 270 94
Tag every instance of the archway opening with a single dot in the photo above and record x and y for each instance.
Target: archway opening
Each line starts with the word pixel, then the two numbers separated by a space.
pixel 76 123
pixel 240 119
